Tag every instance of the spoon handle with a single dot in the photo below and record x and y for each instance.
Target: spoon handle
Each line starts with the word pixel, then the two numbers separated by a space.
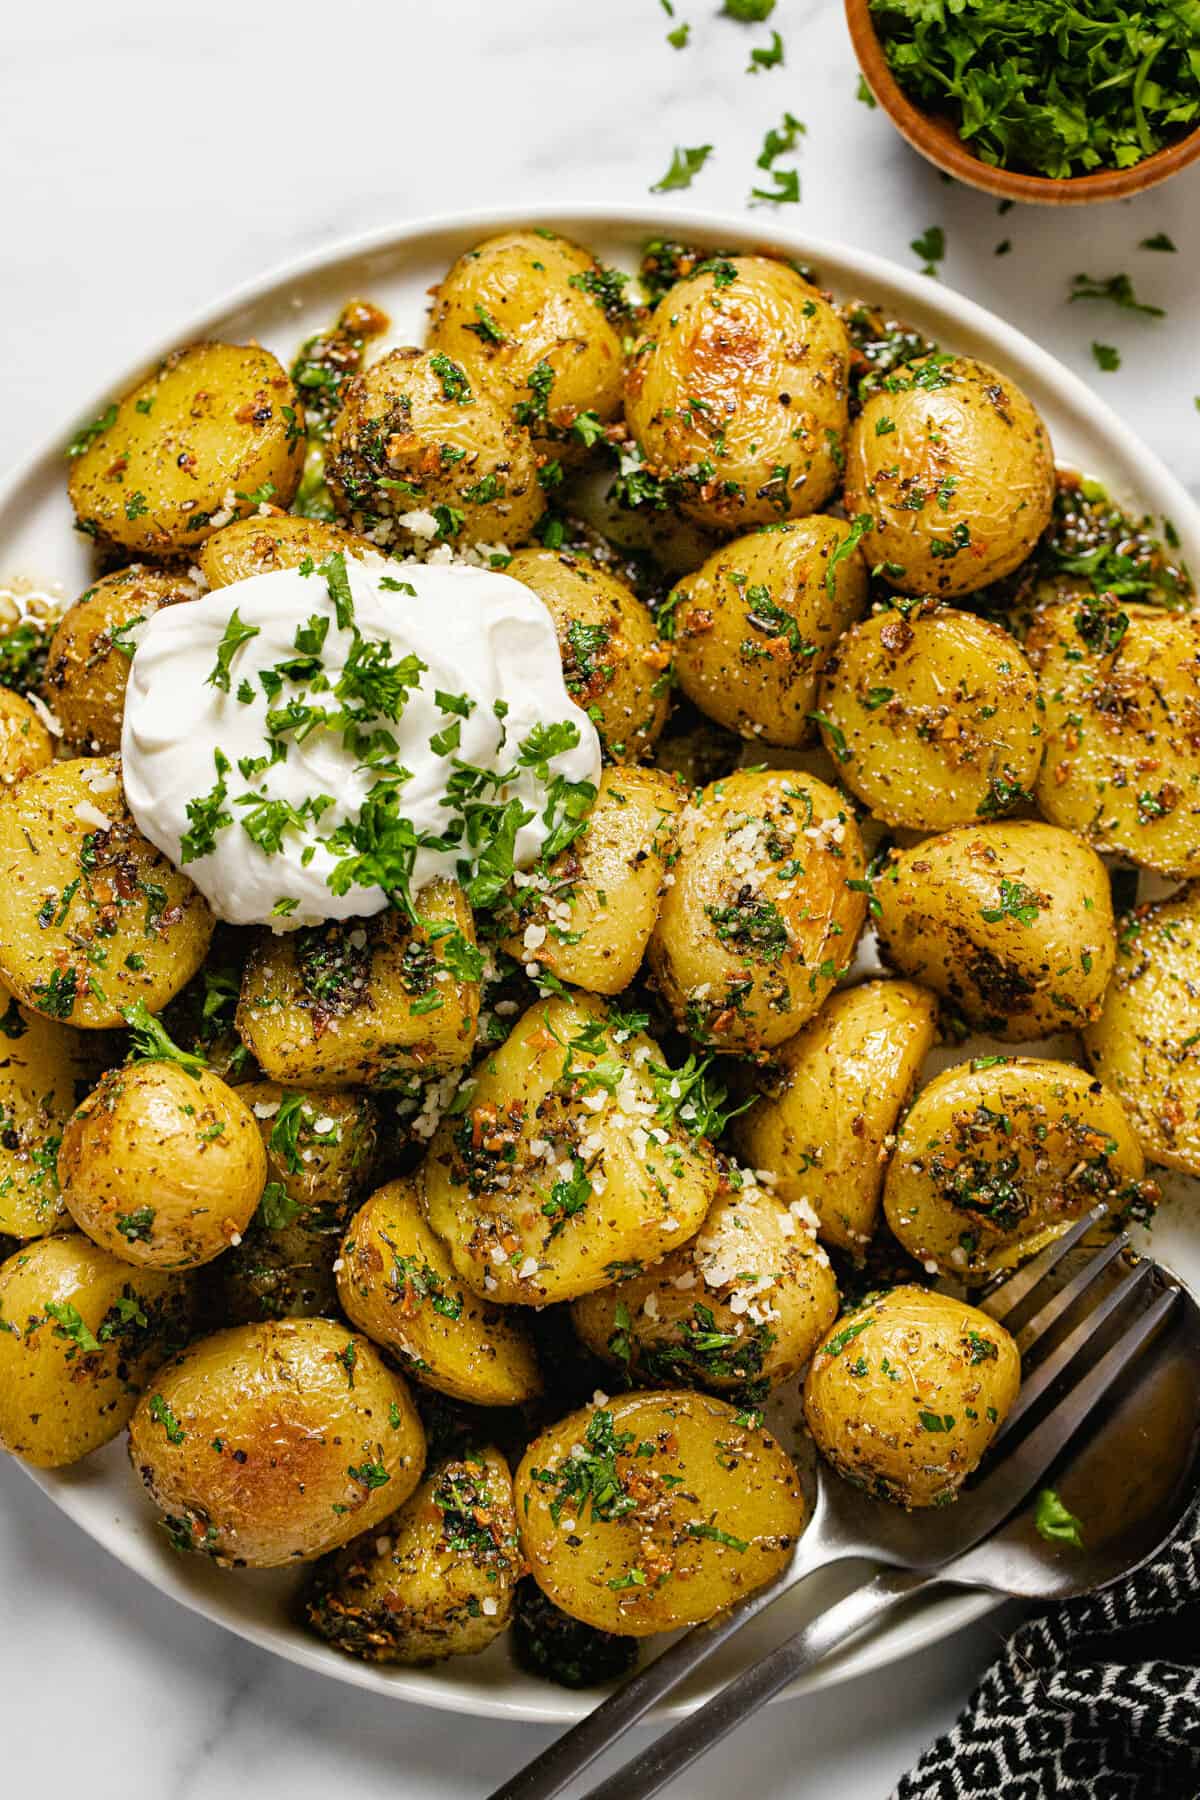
pixel 678 1748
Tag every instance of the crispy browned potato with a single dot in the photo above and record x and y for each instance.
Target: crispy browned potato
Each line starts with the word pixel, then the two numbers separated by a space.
pixel 752 626
pixel 656 1510
pixel 614 666
pixel 217 430
pixel 737 394
pixel 258 546
pixel 25 743
pixel 271 1444
pixel 932 717
pixel 954 468
pixel 761 919
pixel 908 1392
pixel 92 917
pixel 834 1094
pixel 41 1064
pixel 87 666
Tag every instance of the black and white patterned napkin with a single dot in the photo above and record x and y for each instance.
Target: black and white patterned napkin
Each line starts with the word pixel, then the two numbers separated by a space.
pixel 1095 1699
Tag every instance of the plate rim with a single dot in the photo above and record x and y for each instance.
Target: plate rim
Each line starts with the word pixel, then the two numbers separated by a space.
pixel 118 1539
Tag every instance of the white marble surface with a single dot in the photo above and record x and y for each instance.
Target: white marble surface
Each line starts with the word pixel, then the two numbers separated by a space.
pixel 154 157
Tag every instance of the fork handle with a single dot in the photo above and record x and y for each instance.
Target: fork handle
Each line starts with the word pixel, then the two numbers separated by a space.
pixel 686 1742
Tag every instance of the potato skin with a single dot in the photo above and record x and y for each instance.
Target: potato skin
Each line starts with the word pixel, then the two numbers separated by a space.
pixel 834 1094
pixel 162 1167
pixel 1142 1045
pixel 932 718
pixel 760 919
pixel 907 1394
pixel 40 1067
pixel 537 290
pixel 737 395
pixel 394 451
pixel 121 923
pixel 249 1438
pixel 1011 922
pixel 1121 690
pixel 66 1388
pixel 334 1006
pixel 433 1580
pixel 606 887
pixel 995 1160
pixel 744 1304
pixel 753 624
pixel 25 743
pixel 504 1182
pixel 258 546
pixel 732 1482
pixel 87 669
pixel 955 468
pixel 613 663
pixel 214 421
pixel 397 1283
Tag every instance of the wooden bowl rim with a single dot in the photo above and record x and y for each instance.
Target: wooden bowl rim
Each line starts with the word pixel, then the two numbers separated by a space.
pixel 937 140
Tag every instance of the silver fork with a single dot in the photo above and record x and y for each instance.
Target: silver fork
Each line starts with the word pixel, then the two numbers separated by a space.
pixel 845 1524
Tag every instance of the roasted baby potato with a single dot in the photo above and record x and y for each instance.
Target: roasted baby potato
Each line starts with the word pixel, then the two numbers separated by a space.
pixel 953 467
pixel 548 1642
pixel 932 718
pixel 40 1068
pixel 737 394
pixel 655 1510
pixel 162 1165
pixel 1121 688
pixel 744 1303
pixel 752 626
pixel 761 918
pixel 528 314
pixel 588 916
pixel 259 546
pixel 1011 922
pixel 833 1095
pixel 613 664
pixel 1144 1045
pixel 217 430
pixel 25 742
pixel 436 1579
pixel 273 1443
pixel 353 1004
pixel 80 1334
pixel 275 1272
pixel 87 666
pixel 397 1283
pixel 569 1163
pixel 908 1393
pixel 92 918
pixel 320 1150
pixel 996 1158
pixel 418 452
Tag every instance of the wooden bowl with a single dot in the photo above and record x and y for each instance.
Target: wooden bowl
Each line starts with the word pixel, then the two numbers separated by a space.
pixel 937 139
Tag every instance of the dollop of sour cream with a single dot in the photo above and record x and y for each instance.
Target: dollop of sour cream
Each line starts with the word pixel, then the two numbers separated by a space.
pixel 262 719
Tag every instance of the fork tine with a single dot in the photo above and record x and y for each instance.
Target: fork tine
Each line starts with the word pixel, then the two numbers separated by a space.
pixel 1056 1308
pixel 1004 1301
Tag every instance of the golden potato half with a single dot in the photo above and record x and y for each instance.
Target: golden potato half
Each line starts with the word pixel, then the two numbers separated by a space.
pixel 752 626
pixel 761 919
pixel 737 395
pixel 259 546
pixel 656 1510
pixel 41 1063
pixel 87 666
pixel 92 917
pixel 955 469
pixel 932 718
pixel 26 744
pixel 215 432
pixel 273 1443
pixel 908 1392
pixel 1121 689
pixel 996 1158
pixel 80 1334
pixel 1011 922
pixel 834 1093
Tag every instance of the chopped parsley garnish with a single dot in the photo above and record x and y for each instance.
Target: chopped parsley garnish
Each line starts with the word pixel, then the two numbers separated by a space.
pixel 455 385
pixel 162 1415
pixel 151 1043
pixel 369 1474
pixel 589 1477
pixel 1055 1523
pixel 1107 357
pixel 1017 901
pixel 68 1324
pixel 930 247
pixel 86 436
pixel 1117 289
pixel 277 1210
pixel 686 164
pixel 748 12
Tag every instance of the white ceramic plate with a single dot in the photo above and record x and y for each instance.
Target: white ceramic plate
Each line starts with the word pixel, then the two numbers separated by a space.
pixel 395 270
